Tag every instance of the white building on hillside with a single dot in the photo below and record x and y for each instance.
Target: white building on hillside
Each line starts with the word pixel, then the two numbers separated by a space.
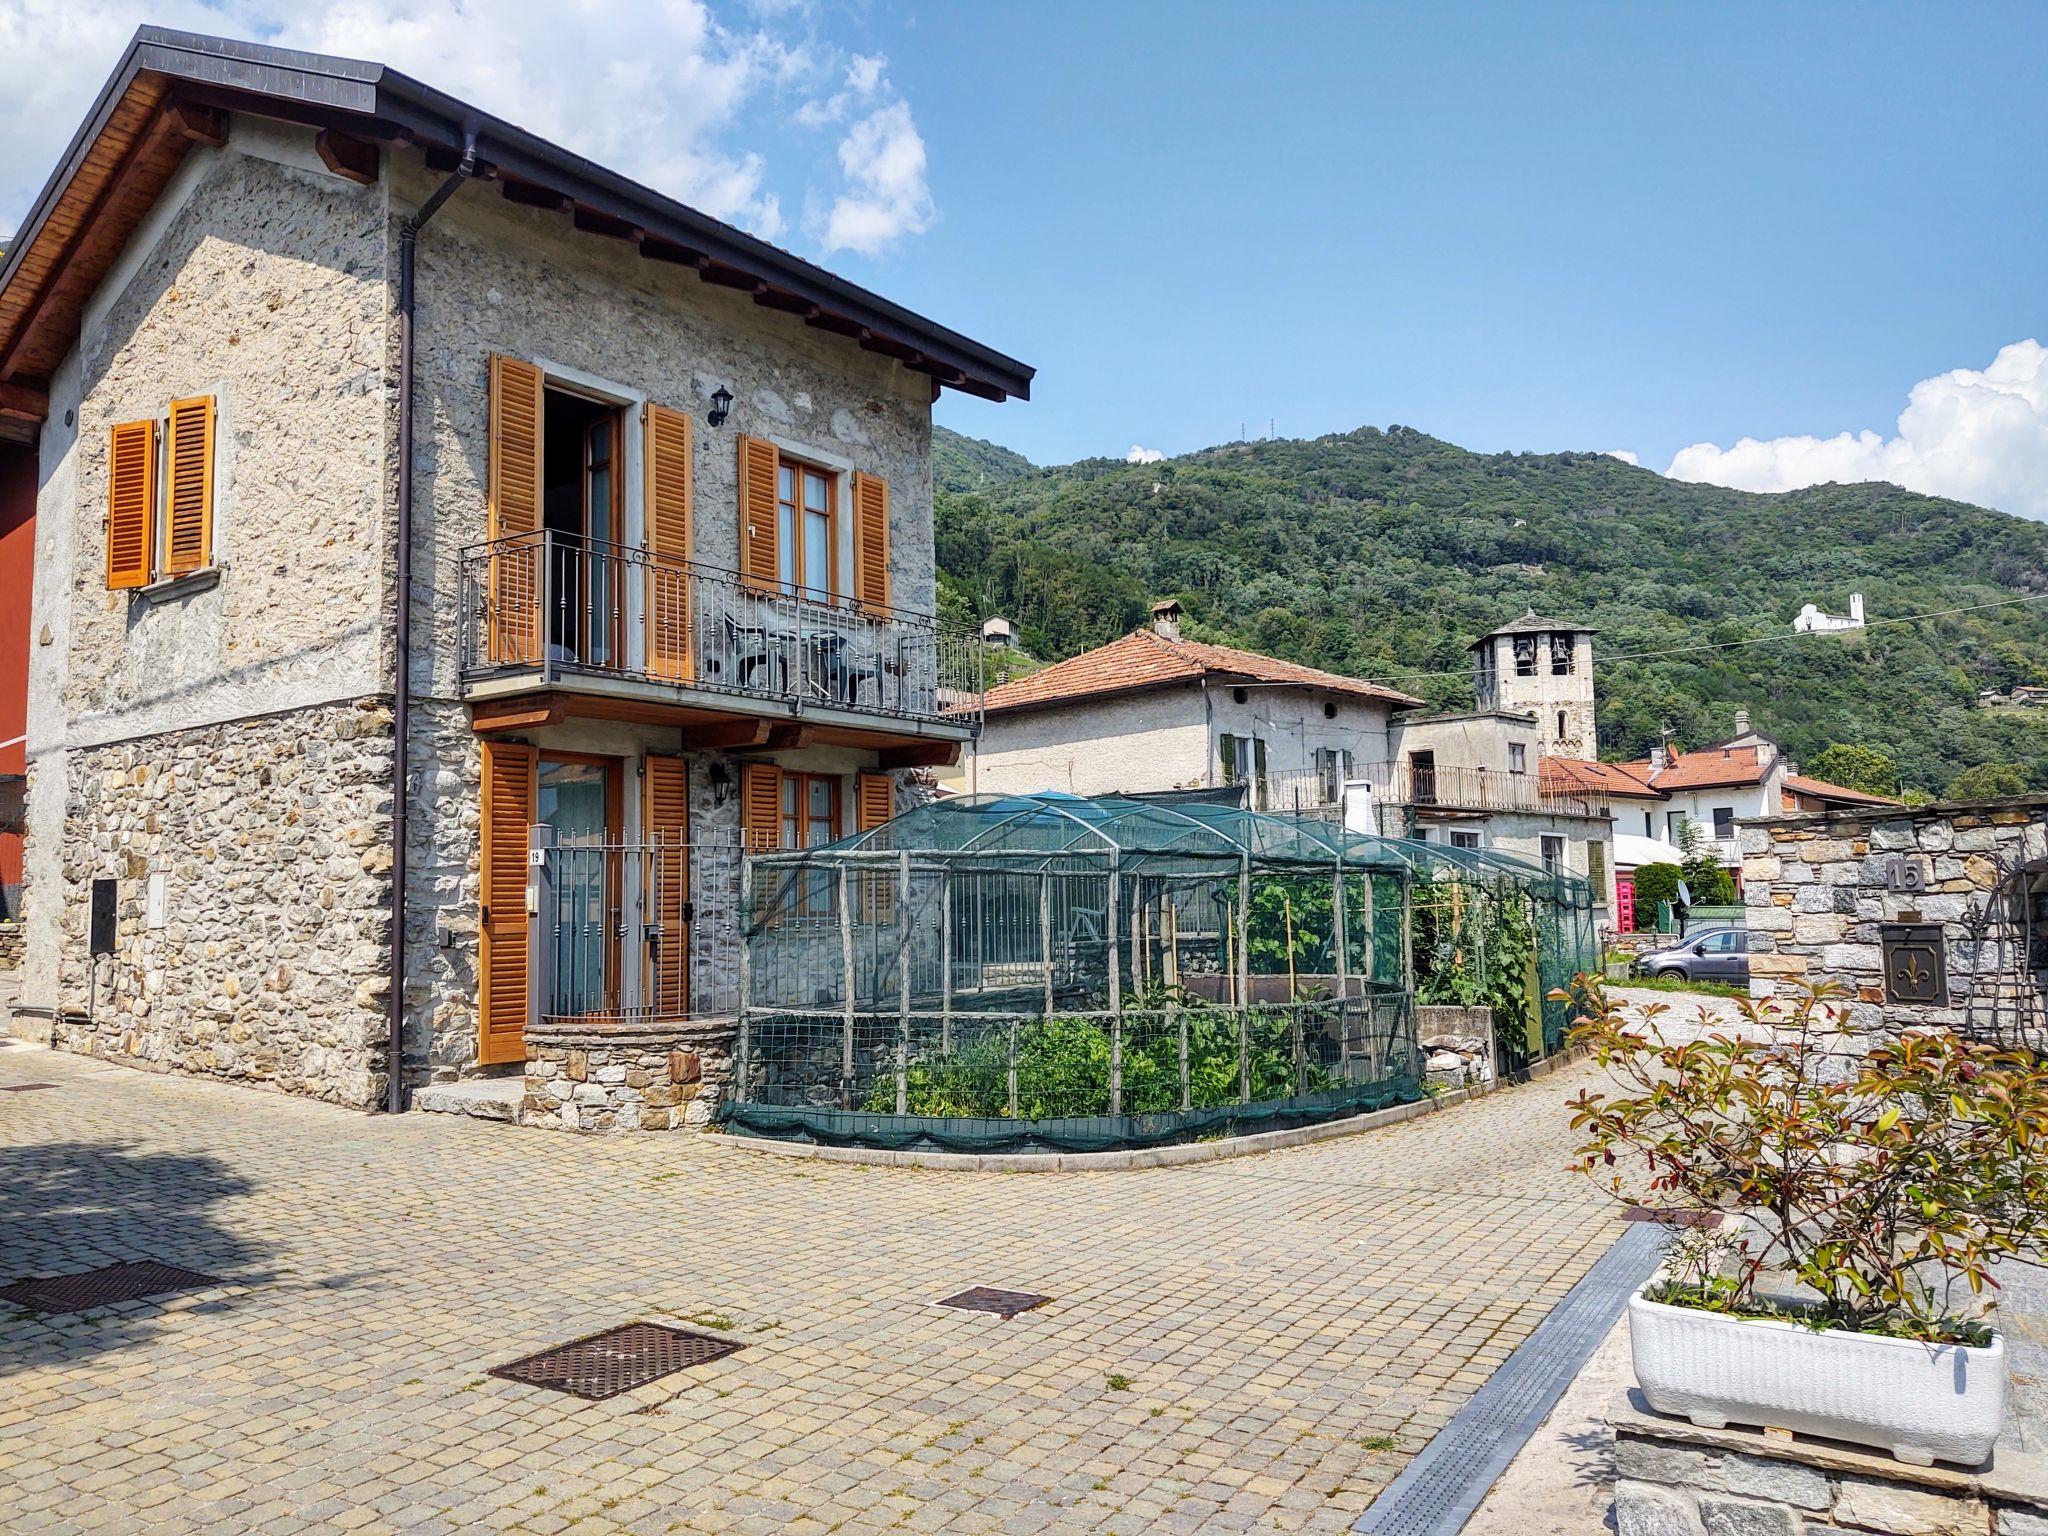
pixel 1812 621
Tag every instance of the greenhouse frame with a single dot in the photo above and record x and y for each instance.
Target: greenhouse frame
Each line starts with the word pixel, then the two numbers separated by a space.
pixel 1049 972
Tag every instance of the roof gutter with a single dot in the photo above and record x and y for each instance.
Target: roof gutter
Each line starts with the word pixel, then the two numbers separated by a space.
pixel 408 243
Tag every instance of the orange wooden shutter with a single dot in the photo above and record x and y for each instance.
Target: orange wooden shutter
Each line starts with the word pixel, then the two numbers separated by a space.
pixel 667 510
pixel 188 495
pixel 874 800
pixel 760 807
pixel 512 507
pixel 510 775
pixel 665 821
pixel 871 540
pixel 758 566
pixel 131 504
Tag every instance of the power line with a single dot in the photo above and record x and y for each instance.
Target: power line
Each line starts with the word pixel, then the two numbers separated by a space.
pixel 1754 640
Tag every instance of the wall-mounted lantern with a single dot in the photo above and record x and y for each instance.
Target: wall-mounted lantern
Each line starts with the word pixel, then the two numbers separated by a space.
pixel 721 406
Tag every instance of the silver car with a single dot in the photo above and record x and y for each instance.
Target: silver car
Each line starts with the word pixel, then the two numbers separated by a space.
pixel 1718 954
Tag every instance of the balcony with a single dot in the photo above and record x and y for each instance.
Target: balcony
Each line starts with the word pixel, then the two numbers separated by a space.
pixel 612 632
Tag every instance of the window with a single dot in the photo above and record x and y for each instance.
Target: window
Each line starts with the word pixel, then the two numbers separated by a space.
pixel 160 490
pixel 1518 757
pixel 1560 655
pixel 1422 777
pixel 1553 855
pixel 1596 870
pixel 806 525
pixel 1464 839
pixel 1525 656
pixel 1649 823
pixel 1243 760
pixel 1674 828
pixel 1724 822
pixel 810 809
pixel 1560 725
pixel 1722 943
pixel 1333 767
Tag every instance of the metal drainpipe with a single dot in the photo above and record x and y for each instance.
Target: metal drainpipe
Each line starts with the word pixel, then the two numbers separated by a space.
pixel 408 240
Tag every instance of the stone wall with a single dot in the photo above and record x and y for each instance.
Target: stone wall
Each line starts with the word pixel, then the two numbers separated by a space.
pixel 251 863
pixel 661 1077
pixel 1674 1479
pixel 1817 891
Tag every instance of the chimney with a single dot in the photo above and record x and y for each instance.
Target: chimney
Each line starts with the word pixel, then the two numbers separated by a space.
pixel 1742 722
pixel 1166 619
pixel 1657 758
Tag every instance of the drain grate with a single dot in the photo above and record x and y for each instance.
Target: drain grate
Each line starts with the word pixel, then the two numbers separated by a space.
pixel 986 1298
pixel 617 1360
pixel 1437 1491
pixel 1670 1218
pixel 104 1287
pixel 25 1087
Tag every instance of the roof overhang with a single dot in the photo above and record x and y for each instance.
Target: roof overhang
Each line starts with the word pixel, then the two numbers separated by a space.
pixel 174 89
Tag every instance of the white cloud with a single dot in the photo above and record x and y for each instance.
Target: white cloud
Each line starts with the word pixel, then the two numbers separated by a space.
pixel 1976 436
pixel 1624 455
pixel 1139 455
pixel 657 91
pixel 882 160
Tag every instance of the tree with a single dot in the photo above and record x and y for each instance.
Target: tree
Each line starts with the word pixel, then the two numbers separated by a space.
pixel 1709 884
pixel 1987 781
pixel 1856 767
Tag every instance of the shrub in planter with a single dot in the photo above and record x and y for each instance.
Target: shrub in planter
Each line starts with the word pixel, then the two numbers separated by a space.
pixel 1885 1174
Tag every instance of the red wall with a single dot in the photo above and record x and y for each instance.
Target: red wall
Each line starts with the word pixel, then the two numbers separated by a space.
pixel 17 564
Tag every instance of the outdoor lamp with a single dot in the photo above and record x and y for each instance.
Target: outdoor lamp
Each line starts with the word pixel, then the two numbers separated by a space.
pixel 721 406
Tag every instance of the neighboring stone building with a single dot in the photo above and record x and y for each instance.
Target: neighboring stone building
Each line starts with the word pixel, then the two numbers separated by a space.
pixel 671 572
pixel 1934 914
pixel 1154 711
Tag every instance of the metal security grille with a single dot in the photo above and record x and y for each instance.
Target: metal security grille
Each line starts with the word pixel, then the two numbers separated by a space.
pixel 1437 1491
pixel 985 1298
pixel 617 1360
pixel 104 1287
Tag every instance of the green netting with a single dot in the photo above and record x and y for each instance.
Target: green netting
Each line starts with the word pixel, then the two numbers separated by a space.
pixel 1046 971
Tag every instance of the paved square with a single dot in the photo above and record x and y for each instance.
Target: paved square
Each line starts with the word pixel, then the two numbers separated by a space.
pixel 1246 1345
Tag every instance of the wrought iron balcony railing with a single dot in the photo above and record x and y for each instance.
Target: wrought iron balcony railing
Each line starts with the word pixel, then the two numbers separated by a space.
pixel 560 607
pixel 1419 787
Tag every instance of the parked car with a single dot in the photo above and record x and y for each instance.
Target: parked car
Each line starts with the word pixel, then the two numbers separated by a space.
pixel 1719 954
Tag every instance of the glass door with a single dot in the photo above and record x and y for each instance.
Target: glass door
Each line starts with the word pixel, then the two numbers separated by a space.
pixel 577 797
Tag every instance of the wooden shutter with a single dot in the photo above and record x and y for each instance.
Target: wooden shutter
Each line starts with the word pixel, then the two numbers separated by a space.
pixel 510 778
pixel 188 495
pixel 758 567
pixel 760 807
pixel 874 800
pixel 512 507
pixel 131 504
pixel 666 507
pixel 871 540
pixel 665 823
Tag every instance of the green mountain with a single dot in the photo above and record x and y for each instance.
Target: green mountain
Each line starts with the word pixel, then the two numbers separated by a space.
pixel 1383 553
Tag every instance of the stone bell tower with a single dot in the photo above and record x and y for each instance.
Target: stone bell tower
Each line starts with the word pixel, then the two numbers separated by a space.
pixel 1541 667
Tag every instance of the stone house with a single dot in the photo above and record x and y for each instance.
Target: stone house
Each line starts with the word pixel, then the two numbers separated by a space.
pixel 409 493
pixel 1155 711
pixel 1933 914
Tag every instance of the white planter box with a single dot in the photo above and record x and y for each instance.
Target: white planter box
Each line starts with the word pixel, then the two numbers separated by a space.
pixel 1918 1401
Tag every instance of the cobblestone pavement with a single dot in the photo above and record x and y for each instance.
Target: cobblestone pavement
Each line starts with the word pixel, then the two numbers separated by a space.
pixel 1246 1345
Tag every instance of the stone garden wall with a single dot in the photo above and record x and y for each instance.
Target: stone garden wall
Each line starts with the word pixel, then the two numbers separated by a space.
pixel 1820 886
pixel 251 867
pixel 658 1077
pixel 1675 1479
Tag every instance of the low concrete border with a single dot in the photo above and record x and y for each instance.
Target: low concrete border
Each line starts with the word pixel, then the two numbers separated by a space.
pixel 1145 1157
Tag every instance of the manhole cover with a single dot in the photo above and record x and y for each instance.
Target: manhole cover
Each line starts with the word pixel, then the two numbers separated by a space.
pixel 985 1298
pixel 617 1360
pixel 25 1087
pixel 104 1287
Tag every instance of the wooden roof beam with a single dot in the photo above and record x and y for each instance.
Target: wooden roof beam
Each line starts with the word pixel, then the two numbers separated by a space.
pixel 527 195
pixel 656 249
pixel 349 157
pixel 200 124
pixel 731 277
pixel 21 401
pixel 590 221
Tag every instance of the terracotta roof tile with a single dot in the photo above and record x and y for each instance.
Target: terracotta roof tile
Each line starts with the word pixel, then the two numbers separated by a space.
pixel 1706 769
pixel 1576 773
pixel 1147 659
pixel 1821 789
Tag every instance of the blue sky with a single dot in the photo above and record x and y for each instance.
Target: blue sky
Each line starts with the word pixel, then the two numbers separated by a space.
pixel 1627 227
